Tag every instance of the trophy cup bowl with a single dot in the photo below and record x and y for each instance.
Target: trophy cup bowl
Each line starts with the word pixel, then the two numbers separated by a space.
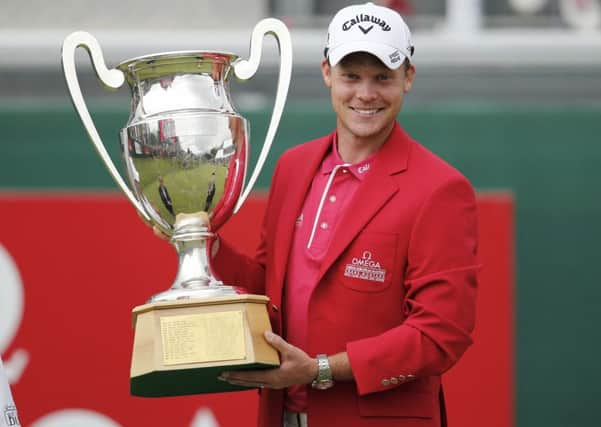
pixel 185 150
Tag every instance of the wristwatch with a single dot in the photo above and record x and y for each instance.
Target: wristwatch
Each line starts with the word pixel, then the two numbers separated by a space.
pixel 324 380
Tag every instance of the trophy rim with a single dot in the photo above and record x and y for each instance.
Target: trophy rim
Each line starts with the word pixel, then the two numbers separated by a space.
pixel 174 55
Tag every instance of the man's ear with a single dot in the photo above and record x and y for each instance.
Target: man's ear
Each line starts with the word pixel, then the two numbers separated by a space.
pixel 326 72
pixel 409 77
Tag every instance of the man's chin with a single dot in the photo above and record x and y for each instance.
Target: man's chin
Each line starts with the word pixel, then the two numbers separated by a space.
pixel 366 131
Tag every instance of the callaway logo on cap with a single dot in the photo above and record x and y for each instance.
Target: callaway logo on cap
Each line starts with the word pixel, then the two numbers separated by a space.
pixel 372 29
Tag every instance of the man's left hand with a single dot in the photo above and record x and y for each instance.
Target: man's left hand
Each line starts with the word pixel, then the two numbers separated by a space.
pixel 296 367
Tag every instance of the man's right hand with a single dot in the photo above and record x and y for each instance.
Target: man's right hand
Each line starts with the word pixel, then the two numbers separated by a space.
pixel 159 233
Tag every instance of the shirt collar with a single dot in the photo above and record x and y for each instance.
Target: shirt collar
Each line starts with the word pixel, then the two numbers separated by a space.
pixel 332 159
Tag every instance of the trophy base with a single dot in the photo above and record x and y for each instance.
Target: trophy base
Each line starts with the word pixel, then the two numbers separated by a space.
pixel 181 347
pixel 187 381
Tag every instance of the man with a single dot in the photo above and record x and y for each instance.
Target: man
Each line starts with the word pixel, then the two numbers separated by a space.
pixel 165 197
pixel 8 411
pixel 367 253
pixel 210 192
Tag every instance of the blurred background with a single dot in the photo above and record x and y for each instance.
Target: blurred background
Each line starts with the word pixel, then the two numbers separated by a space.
pixel 508 91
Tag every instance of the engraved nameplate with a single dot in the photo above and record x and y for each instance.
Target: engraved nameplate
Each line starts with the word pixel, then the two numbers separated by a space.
pixel 203 337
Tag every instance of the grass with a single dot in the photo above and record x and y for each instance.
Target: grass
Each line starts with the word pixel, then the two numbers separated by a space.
pixel 187 185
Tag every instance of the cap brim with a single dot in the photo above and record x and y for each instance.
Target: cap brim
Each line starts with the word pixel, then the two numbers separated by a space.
pixel 383 52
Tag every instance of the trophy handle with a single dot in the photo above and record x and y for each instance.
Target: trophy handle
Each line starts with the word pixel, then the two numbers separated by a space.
pixel 112 80
pixel 245 69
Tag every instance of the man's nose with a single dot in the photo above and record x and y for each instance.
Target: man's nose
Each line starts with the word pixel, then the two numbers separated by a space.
pixel 367 92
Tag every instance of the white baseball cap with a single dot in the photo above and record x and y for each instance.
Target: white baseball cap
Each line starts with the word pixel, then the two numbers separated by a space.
pixel 369 28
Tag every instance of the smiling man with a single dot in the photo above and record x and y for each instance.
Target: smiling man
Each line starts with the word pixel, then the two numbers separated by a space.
pixel 368 252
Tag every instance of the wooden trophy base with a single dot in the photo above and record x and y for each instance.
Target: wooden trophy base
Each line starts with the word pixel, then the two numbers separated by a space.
pixel 181 347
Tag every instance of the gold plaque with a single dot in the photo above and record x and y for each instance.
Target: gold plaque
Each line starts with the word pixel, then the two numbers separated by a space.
pixel 203 337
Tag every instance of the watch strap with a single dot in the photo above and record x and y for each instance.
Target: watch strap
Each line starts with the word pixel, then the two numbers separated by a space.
pixel 324 373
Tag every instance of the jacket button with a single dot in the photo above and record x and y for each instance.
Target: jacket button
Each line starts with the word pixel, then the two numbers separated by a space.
pixel 402 378
pixel 410 377
pixel 393 380
pixel 274 307
pixel 385 382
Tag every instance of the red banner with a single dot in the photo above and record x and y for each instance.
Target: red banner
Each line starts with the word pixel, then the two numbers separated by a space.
pixel 72 266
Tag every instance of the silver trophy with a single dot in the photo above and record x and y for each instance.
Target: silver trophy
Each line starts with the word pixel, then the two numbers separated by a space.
pixel 185 150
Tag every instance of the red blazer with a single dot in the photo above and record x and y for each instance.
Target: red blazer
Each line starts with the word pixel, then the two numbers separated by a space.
pixel 396 290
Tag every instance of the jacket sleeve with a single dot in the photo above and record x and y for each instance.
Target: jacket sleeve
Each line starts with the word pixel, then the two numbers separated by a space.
pixel 440 292
pixel 237 269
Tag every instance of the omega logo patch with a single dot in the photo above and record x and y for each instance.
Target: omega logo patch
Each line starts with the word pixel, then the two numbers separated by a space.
pixel 365 268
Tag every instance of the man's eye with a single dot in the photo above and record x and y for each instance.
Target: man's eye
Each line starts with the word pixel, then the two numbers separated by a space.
pixel 382 77
pixel 351 76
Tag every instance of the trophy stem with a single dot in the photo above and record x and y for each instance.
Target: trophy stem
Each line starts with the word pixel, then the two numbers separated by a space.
pixel 193 271
pixel 194 278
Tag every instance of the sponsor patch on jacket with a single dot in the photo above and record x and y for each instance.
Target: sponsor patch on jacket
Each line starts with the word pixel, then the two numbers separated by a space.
pixel 365 268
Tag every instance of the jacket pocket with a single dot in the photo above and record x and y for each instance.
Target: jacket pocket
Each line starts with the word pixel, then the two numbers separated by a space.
pixel 368 264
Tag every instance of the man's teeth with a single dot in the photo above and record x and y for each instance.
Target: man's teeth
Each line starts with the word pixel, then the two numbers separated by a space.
pixel 367 112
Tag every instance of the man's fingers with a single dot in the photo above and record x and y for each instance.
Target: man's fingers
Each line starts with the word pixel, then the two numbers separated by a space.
pixel 146 221
pixel 157 232
pixel 277 342
pixel 200 216
pixel 244 383
pixel 247 379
